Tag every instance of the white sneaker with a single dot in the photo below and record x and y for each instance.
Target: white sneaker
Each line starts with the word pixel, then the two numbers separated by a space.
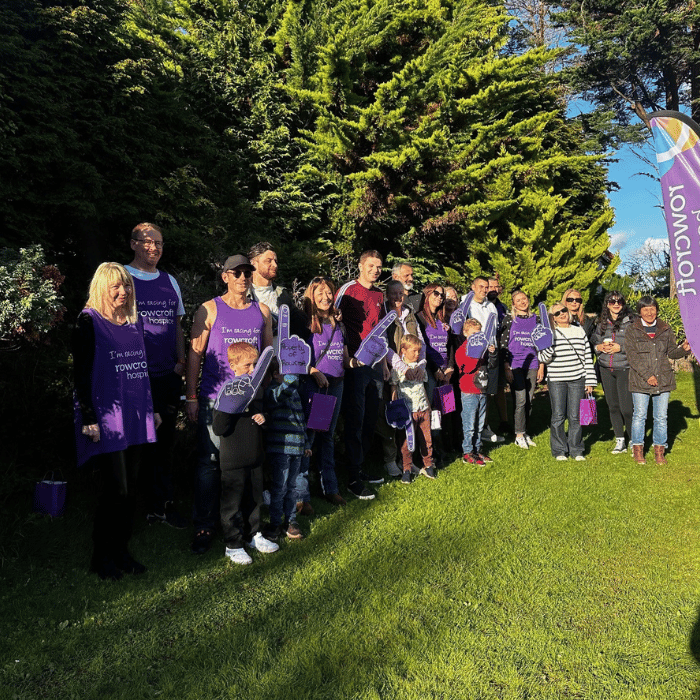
pixel 580 458
pixel 392 469
pixel 529 441
pixel 262 545
pixel 238 556
pixel 521 442
pixel 561 458
pixel 620 446
pixel 489 436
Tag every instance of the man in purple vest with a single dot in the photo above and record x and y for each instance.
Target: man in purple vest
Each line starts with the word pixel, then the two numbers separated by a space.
pixel 230 318
pixel 159 304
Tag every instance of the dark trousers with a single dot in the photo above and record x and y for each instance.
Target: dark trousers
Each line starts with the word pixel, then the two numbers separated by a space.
pixel 241 498
pixel 523 386
pixel 157 471
pixel 360 407
pixel 619 399
pixel 114 515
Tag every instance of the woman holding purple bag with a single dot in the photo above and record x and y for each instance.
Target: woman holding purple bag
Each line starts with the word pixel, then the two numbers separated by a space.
pixel 329 360
pixel 114 412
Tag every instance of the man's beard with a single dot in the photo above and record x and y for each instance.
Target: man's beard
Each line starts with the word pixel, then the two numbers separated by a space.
pixel 408 286
pixel 492 296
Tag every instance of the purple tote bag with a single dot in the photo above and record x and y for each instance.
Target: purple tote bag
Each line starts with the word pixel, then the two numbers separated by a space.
pixel 588 414
pixel 444 398
pixel 321 407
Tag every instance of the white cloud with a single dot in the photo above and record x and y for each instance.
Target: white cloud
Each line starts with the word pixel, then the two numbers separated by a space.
pixel 656 243
pixel 619 239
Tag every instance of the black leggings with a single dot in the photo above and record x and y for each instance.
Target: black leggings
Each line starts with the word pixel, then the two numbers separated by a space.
pixel 619 399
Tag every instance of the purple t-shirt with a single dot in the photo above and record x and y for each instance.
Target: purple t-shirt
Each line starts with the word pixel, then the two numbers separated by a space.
pixel 436 343
pixel 158 304
pixel 520 343
pixel 120 390
pixel 230 326
pixel 331 363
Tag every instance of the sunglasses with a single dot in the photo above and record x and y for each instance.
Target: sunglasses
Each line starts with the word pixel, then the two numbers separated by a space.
pixel 440 295
pixel 615 302
pixel 237 273
pixel 572 300
pixel 560 312
pixel 316 280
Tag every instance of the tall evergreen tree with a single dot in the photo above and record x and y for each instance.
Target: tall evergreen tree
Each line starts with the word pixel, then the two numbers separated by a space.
pixel 439 147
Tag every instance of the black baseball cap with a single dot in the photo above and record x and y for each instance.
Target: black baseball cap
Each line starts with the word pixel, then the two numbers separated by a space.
pixel 234 261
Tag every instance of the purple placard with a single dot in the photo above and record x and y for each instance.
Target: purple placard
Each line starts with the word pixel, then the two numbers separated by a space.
pixel 235 395
pixel 459 315
pixel 444 398
pixel 677 142
pixel 541 336
pixel 320 411
pixel 374 347
pixel 294 354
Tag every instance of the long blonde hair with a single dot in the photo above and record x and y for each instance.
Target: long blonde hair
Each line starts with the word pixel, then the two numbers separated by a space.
pixel 514 312
pixel 107 274
pixel 310 308
pixel 581 317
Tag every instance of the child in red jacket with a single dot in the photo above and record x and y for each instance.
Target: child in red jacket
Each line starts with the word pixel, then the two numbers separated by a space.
pixel 473 380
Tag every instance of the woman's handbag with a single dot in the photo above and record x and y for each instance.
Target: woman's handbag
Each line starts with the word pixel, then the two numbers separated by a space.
pixel 321 407
pixel 588 414
pixel 444 398
pixel 50 496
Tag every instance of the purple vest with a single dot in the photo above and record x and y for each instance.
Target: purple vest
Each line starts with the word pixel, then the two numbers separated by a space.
pixel 520 343
pixel 230 326
pixel 436 344
pixel 157 303
pixel 331 364
pixel 121 392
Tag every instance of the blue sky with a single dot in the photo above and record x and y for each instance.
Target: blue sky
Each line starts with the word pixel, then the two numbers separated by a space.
pixel 638 216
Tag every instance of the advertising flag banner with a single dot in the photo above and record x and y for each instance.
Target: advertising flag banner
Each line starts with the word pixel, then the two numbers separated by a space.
pixel 677 144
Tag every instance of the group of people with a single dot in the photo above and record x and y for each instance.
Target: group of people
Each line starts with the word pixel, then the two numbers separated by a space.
pixel 130 359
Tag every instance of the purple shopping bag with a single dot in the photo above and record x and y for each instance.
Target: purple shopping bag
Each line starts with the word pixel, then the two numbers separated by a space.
pixel 321 407
pixel 444 398
pixel 50 496
pixel 588 415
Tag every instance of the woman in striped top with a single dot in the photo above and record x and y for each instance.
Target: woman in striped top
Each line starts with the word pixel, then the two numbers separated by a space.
pixel 570 375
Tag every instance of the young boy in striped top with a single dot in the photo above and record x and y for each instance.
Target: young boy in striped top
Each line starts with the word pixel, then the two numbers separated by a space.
pixel 287 442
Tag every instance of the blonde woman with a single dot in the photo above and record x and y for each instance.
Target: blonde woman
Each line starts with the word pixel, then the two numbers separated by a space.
pixel 573 300
pixel 570 376
pixel 114 411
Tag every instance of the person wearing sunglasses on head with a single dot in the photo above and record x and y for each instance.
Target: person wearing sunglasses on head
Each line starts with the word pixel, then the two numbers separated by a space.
pixel 570 376
pixel 608 340
pixel 219 322
pixel 573 300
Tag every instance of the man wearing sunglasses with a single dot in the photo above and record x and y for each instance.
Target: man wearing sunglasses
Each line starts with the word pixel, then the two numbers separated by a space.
pixel 230 318
pixel 161 309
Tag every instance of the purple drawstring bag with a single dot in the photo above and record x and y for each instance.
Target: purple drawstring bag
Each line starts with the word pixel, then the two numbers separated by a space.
pixel 588 414
pixel 50 496
pixel 444 398
pixel 321 407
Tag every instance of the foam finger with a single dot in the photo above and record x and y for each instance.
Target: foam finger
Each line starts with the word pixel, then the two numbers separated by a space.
pixel 283 323
pixel 544 316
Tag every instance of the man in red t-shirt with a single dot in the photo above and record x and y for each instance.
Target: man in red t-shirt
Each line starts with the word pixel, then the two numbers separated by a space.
pixel 361 305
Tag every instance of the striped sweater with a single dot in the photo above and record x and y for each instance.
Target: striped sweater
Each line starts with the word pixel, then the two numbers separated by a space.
pixel 286 431
pixel 570 357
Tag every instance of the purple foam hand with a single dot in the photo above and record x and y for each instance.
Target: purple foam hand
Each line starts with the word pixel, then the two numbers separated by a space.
pixel 374 347
pixel 459 315
pixel 490 328
pixel 477 344
pixel 542 337
pixel 235 395
pixel 294 354
pixel 397 413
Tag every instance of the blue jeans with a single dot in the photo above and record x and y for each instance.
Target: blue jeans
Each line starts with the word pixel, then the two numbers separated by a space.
pixel 325 441
pixel 283 501
pixel 659 404
pixel 473 421
pixel 565 398
pixel 207 477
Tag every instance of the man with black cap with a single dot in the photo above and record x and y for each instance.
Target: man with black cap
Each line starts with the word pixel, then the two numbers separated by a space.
pixel 230 318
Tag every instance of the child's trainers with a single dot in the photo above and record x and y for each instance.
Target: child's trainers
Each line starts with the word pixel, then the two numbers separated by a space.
pixel 239 556
pixel 262 545
pixel 485 458
pixel 428 471
pixel 468 458
pixel 406 477
pixel 294 532
pixel 478 459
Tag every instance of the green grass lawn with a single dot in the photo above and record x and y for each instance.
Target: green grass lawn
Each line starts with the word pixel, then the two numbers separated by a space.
pixel 528 578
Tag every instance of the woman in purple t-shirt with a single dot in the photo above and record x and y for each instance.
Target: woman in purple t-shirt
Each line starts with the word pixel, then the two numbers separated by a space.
pixel 329 360
pixel 114 412
pixel 520 362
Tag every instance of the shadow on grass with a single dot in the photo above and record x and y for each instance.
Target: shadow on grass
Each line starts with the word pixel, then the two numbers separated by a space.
pixel 694 643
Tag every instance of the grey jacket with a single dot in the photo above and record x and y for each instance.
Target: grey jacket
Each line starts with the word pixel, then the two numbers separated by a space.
pixel 649 357
pixel 617 360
